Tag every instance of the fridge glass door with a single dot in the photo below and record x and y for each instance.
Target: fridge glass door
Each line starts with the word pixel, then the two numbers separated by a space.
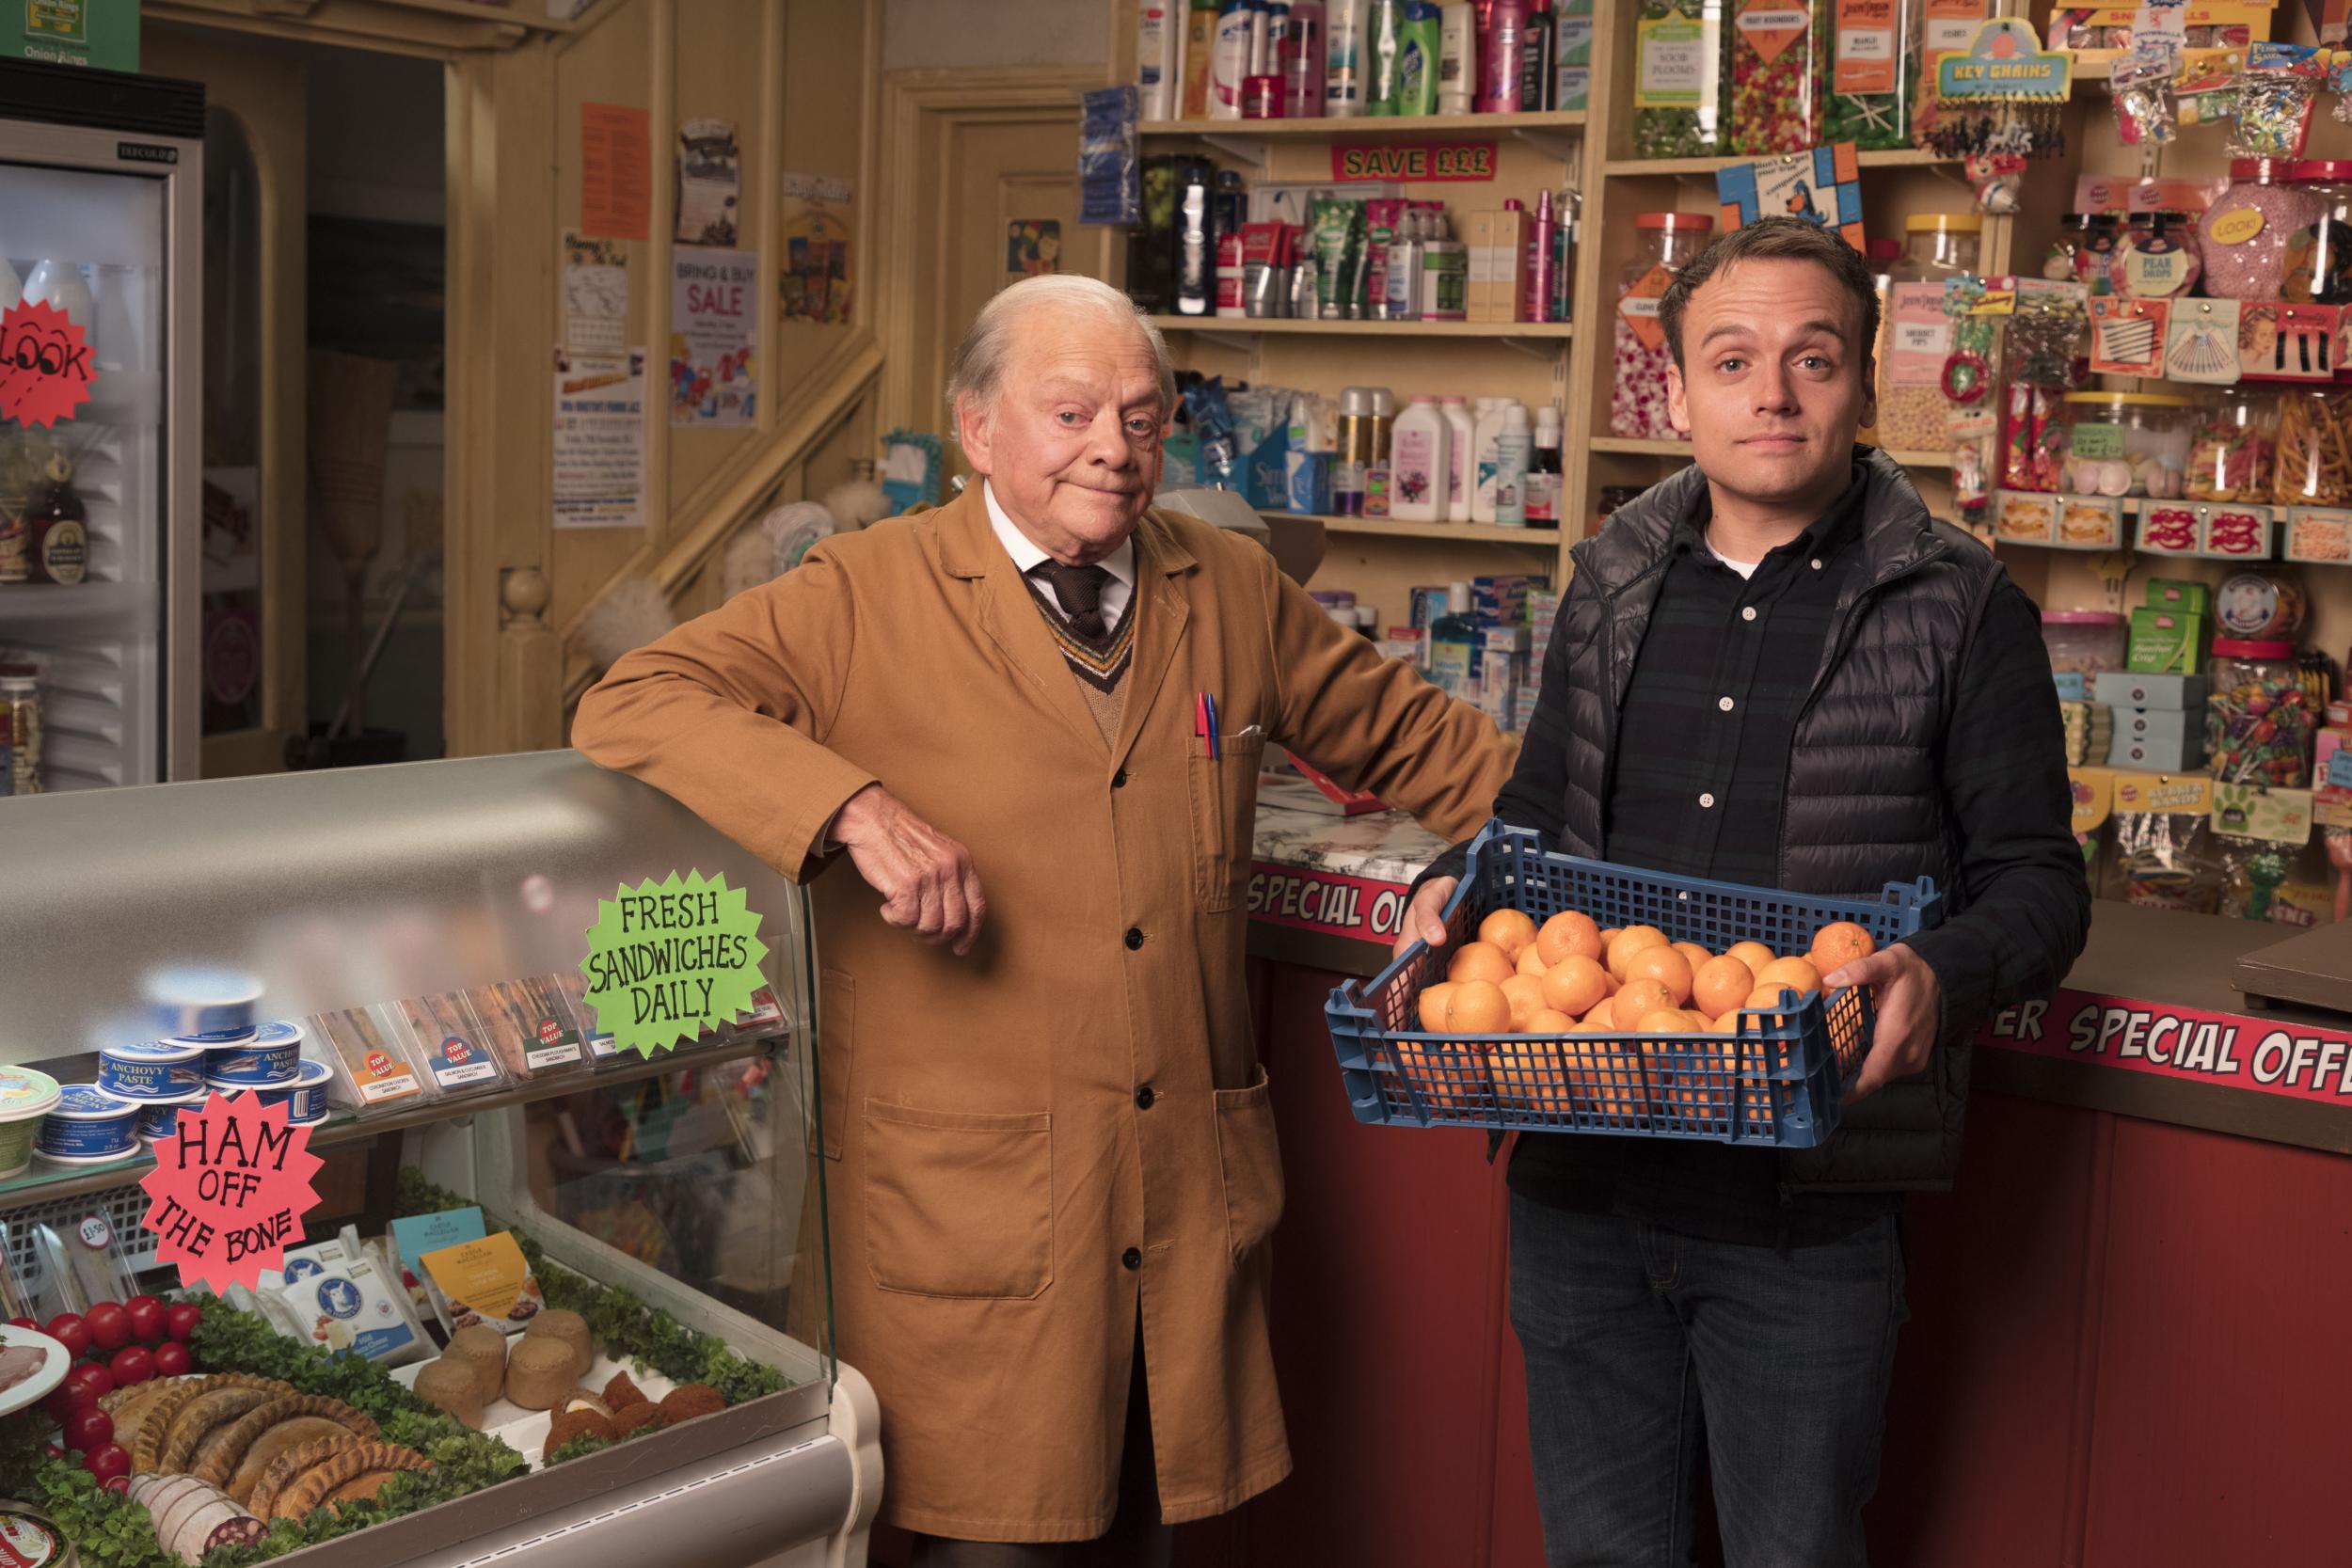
pixel 88 619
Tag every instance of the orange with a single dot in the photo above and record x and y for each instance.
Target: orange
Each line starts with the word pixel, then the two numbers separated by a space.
pixel 1479 1008
pixel 1525 1074
pixel 1798 975
pixel 1568 936
pixel 1531 961
pixel 1631 941
pixel 1479 960
pixel 1608 1081
pixel 1754 954
pixel 1639 999
pixel 1728 1024
pixel 1575 985
pixel 1443 1073
pixel 1549 1020
pixel 1434 1003
pixel 1838 944
pixel 1721 985
pixel 1697 955
pixel 1664 965
pixel 1509 929
pixel 1665 1020
pixel 1765 999
pixel 1526 995
pixel 1609 935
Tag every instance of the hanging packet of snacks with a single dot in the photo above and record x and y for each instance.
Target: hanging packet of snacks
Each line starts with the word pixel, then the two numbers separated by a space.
pixel 1779 76
pixel 1911 394
pixel 2003 94
pixel 1971 416
pixel 2339 83
pixel 2042 359
pixel 1873 75
pixel 1677 79
pixel 2142 81
pixel 2274 101
pixel 1945 27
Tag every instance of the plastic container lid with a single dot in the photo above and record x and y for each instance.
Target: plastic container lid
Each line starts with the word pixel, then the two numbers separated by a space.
pixel 2232 648
pixel 2324 168
pixel 195 1000
pixel 1698 223
pixel 1885 250
pixel 2137 400
pixel 1951 223
pixel 113 1159
pixel 24 1093
pixel 166 1052
pixel 2267 170
pixel 279 1032
pixel 88 1103
pixel 2080 618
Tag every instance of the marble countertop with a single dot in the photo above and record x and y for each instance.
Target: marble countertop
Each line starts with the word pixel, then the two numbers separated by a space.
pixel 1378 846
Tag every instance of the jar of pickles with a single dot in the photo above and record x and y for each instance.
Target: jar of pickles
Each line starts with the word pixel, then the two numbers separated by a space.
pixel 2252 229
pixel 2157 257
pixel 1637 403
pixel 2258 721
pixel 2318 265
pixel 2315 461
pixel 2125 443
pixel 2234 447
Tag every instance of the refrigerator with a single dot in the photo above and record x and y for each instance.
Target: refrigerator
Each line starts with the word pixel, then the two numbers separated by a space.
pixel 101 218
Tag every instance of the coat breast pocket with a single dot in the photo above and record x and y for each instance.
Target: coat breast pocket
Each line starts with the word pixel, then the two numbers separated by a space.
pixel 1224 810
pixel 958 1204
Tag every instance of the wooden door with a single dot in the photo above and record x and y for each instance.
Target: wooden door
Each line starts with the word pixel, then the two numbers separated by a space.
pixel 254 599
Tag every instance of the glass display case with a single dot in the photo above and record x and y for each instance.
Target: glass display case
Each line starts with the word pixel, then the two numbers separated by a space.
pixel 422 928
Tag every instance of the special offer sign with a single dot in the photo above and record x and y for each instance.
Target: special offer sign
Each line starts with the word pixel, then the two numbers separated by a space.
pixel 228 1191
pixel 2296 1061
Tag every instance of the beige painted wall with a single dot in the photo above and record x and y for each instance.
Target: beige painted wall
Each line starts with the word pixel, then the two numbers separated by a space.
pixel 921 35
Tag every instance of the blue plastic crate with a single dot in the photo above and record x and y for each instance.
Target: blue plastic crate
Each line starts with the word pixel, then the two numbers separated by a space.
pixel 1775 1084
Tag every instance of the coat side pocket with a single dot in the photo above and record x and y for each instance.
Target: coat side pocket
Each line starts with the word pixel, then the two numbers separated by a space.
pixel 836 1043
pixel 1250 1161
pixel 958 1204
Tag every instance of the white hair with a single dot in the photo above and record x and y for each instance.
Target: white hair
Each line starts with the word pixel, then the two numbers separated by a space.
pixel 978 371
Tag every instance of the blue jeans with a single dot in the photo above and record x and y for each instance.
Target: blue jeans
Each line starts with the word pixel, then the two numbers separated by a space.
pixel 1643 1343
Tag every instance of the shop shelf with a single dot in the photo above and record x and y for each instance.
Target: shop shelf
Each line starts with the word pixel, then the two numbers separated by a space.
pixel 1629 446
pixel 1475 533
pixel 45 602
pixel 1903 157
pixel 1249 325
pixel 1388 128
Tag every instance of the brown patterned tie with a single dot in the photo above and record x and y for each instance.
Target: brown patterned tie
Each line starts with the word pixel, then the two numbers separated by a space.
pixel 1079 590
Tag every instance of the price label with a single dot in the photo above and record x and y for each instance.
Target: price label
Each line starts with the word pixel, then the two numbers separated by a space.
pixel 228 1191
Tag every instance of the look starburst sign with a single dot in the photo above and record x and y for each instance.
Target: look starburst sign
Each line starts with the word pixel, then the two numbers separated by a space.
pixel 668 961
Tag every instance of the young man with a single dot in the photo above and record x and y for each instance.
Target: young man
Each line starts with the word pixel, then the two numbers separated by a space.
pixel 1774 668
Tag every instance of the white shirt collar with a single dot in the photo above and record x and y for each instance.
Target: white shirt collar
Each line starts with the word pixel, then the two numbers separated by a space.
pixel 1120 563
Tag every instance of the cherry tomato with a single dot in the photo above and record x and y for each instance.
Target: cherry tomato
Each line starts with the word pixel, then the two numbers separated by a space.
pixel 148 1322
pixel 135 1364
pixel 25 1322
pixel 109 1326
pixel 107 1464
pixel 62 1402
pixel 182 1319
pixel 172 1360
pixel 119 1485
pixel 51 1450
pixel 89 1428
pixel 69 1330
pixel 91 1383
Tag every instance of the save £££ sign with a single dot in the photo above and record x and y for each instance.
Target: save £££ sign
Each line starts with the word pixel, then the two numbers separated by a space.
pixel 2180 1042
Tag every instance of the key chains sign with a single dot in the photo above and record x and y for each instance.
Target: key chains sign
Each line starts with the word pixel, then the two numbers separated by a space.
pixel 228 1191
pixel 667 960
pixel 45 367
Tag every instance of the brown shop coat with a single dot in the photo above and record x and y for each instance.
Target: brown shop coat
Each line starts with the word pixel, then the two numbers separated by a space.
pixel 988 1163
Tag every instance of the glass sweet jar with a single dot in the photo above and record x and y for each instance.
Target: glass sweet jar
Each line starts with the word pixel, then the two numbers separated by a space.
pixel 2260 724
pixel 2125 443
pixel 1637 398
pixel 2234 447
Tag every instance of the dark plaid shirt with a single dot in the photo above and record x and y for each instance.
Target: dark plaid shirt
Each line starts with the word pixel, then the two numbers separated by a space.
pixel 1701 765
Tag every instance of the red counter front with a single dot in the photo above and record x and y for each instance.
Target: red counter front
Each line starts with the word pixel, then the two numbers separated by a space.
pixel 2126 1344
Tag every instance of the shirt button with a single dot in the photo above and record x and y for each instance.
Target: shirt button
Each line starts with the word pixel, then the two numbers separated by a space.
pixel 1133 1257
pixel 1119 780
pixel 1723 703
pixel 1135 939
pixel 1817 564
pixel 1707 800
pixel 1144 1098
pixel 1747 612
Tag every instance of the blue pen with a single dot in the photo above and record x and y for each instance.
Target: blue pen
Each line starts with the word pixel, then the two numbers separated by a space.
pixel 1216 741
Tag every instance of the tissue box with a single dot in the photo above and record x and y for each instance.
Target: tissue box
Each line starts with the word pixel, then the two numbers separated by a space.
pixel 2161 756
pixel 2166 642
pixel 2181 693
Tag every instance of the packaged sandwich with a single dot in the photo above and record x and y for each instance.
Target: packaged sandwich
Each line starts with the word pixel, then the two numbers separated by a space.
pixel 370 1060
pixel 527 1027
pixel 451 1045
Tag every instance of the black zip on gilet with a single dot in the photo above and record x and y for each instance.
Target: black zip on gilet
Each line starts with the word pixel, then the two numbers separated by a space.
pixel 1864 803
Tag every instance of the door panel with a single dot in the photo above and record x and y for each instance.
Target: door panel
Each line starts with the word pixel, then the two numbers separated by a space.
pixel 254 602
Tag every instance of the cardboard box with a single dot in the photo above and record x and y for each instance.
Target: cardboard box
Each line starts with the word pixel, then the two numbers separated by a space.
pixel 2157 724
pixel 2194 598
pixel 1480 294
pixel 2157 756
pixel 2177 692
pixel 1509 263
pixel 2164 642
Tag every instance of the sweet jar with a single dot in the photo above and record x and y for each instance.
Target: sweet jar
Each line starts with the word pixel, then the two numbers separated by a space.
pixel 2234 447
pixel 2318 262
pixel 2157 257
pixel 2259 722
pixel 1637 401
pixel 2084 642
pixel 1913 415
pixel 2252 229
pixel 2315 467
pixel 2125 443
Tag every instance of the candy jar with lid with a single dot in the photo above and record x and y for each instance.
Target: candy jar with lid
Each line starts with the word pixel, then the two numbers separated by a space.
pixel 1913 415
pixel 2251 229
pixel 2315 464
pixel 1637 402
pixel 2318 262
pixel 2157 257
pixel 2236 446
pixel 2125 443
pixel 2258 721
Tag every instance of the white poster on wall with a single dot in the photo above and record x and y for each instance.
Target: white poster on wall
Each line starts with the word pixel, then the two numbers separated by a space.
pixel 600 441
pixel 712 296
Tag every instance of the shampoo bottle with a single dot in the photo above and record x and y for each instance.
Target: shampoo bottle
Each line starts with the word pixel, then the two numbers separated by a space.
pixel 1420 462
pixel 1459 471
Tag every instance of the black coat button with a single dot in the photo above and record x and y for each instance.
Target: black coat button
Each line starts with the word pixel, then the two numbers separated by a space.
pixel 1133 1257
pixel 1144 1096
pixel 1119 780
pixel 1135 939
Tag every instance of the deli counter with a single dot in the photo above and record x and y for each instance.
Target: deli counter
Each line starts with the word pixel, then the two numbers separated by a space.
pixel 2125 1343
pixel 422 928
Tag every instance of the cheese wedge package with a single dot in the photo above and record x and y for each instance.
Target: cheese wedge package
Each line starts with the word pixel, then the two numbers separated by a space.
pixel 486 1281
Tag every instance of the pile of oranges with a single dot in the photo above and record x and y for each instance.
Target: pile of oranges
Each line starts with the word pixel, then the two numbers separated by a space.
pixel 1572 977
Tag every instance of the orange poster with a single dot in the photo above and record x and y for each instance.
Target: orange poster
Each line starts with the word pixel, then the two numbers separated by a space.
pixel 615 171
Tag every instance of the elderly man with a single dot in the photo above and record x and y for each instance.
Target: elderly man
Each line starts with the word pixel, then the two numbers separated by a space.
pixel 1774 668
pixel 1054 1164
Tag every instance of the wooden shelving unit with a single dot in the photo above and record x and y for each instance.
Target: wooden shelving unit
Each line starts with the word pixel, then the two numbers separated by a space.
pixel 1301 324
pixel 1899 158
pixel 1385 127
pixel 1633 447
pixel 1533 538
